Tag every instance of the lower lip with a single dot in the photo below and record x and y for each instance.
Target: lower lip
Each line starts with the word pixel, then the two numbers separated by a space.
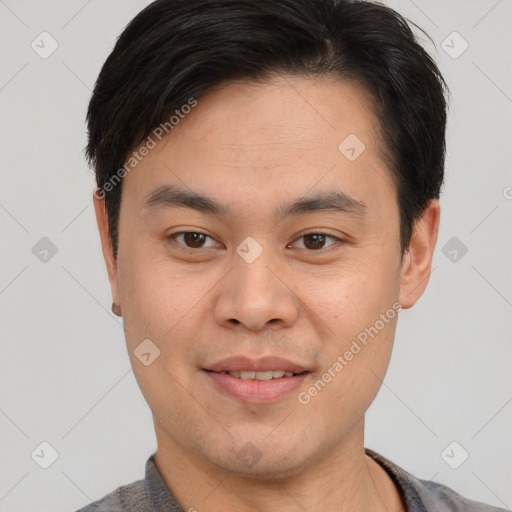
pixel 256 391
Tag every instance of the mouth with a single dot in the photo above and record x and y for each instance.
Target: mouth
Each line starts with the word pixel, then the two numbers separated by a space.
pixel 256 381
pixel 253 375
pixel 263 365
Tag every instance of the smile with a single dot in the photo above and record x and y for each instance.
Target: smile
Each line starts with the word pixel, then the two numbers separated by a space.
pixel 268 375
pixel 251 387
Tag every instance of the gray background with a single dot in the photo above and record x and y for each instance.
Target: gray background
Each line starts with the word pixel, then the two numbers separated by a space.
pixel 65 375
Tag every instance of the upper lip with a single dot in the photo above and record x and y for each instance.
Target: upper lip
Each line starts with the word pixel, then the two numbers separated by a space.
pixel 262 364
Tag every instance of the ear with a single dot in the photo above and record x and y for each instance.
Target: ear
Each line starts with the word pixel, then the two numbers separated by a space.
pixel 416 267
pixel 106 245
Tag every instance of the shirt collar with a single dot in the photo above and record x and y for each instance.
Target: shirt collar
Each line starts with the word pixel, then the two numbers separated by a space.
pixel 410 488
pixel 412 491
pixel 159 494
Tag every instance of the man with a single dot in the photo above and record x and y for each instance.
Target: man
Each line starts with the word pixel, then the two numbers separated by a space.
pixel 268 180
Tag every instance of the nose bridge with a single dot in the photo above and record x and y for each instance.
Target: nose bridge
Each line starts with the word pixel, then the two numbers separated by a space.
pixel 253 293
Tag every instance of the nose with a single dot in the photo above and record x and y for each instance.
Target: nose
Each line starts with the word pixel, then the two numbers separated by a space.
pixel 256 295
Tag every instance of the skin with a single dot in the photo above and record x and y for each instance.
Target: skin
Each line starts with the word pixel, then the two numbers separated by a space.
pixel 251 146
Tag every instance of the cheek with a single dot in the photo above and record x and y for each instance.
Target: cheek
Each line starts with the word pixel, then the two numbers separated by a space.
pixel 155 294
pixel 351 375
pixel 162 306
pixel 349 296
pixel 363 320
pixel 356 305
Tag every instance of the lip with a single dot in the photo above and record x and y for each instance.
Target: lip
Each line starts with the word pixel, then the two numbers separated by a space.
pixel 253 391
pixel 263 364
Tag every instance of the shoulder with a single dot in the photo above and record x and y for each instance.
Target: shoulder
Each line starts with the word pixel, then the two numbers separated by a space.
pixel 146 495
pixel 444 498
pixel 127 498
pixel 421 495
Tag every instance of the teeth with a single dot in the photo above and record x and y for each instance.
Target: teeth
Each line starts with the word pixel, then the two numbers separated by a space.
pixel 264 375
pixel 269 375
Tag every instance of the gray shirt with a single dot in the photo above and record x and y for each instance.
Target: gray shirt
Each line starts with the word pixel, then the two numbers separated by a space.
pixel 153 495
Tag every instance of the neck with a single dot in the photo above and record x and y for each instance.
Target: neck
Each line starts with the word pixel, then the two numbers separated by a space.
pixel 343 479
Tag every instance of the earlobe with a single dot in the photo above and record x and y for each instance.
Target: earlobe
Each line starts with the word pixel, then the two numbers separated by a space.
pixel 116 309
pixel 417 263
pixel 106 244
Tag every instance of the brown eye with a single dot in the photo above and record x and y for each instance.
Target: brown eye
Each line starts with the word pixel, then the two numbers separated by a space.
pixel 195 240
pixel 192 239
pixel 316 241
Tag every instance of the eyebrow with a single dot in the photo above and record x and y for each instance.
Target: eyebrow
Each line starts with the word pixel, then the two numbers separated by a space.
pixel 331 201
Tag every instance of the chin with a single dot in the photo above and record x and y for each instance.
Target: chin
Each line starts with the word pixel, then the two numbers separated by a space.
pixel 261 460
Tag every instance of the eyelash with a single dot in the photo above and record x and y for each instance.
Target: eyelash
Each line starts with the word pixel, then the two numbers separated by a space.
pixel 330 248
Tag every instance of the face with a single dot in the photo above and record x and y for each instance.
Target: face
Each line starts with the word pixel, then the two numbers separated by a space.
pixel 292 253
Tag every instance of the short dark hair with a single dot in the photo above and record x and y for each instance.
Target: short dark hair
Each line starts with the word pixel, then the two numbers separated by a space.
pixel 175 50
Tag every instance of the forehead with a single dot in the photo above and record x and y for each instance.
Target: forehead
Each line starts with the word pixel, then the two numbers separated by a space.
pixel 269 137
pixel 279 114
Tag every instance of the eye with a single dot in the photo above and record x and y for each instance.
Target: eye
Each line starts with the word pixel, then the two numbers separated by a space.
pixel 316 241
pixel 192 239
